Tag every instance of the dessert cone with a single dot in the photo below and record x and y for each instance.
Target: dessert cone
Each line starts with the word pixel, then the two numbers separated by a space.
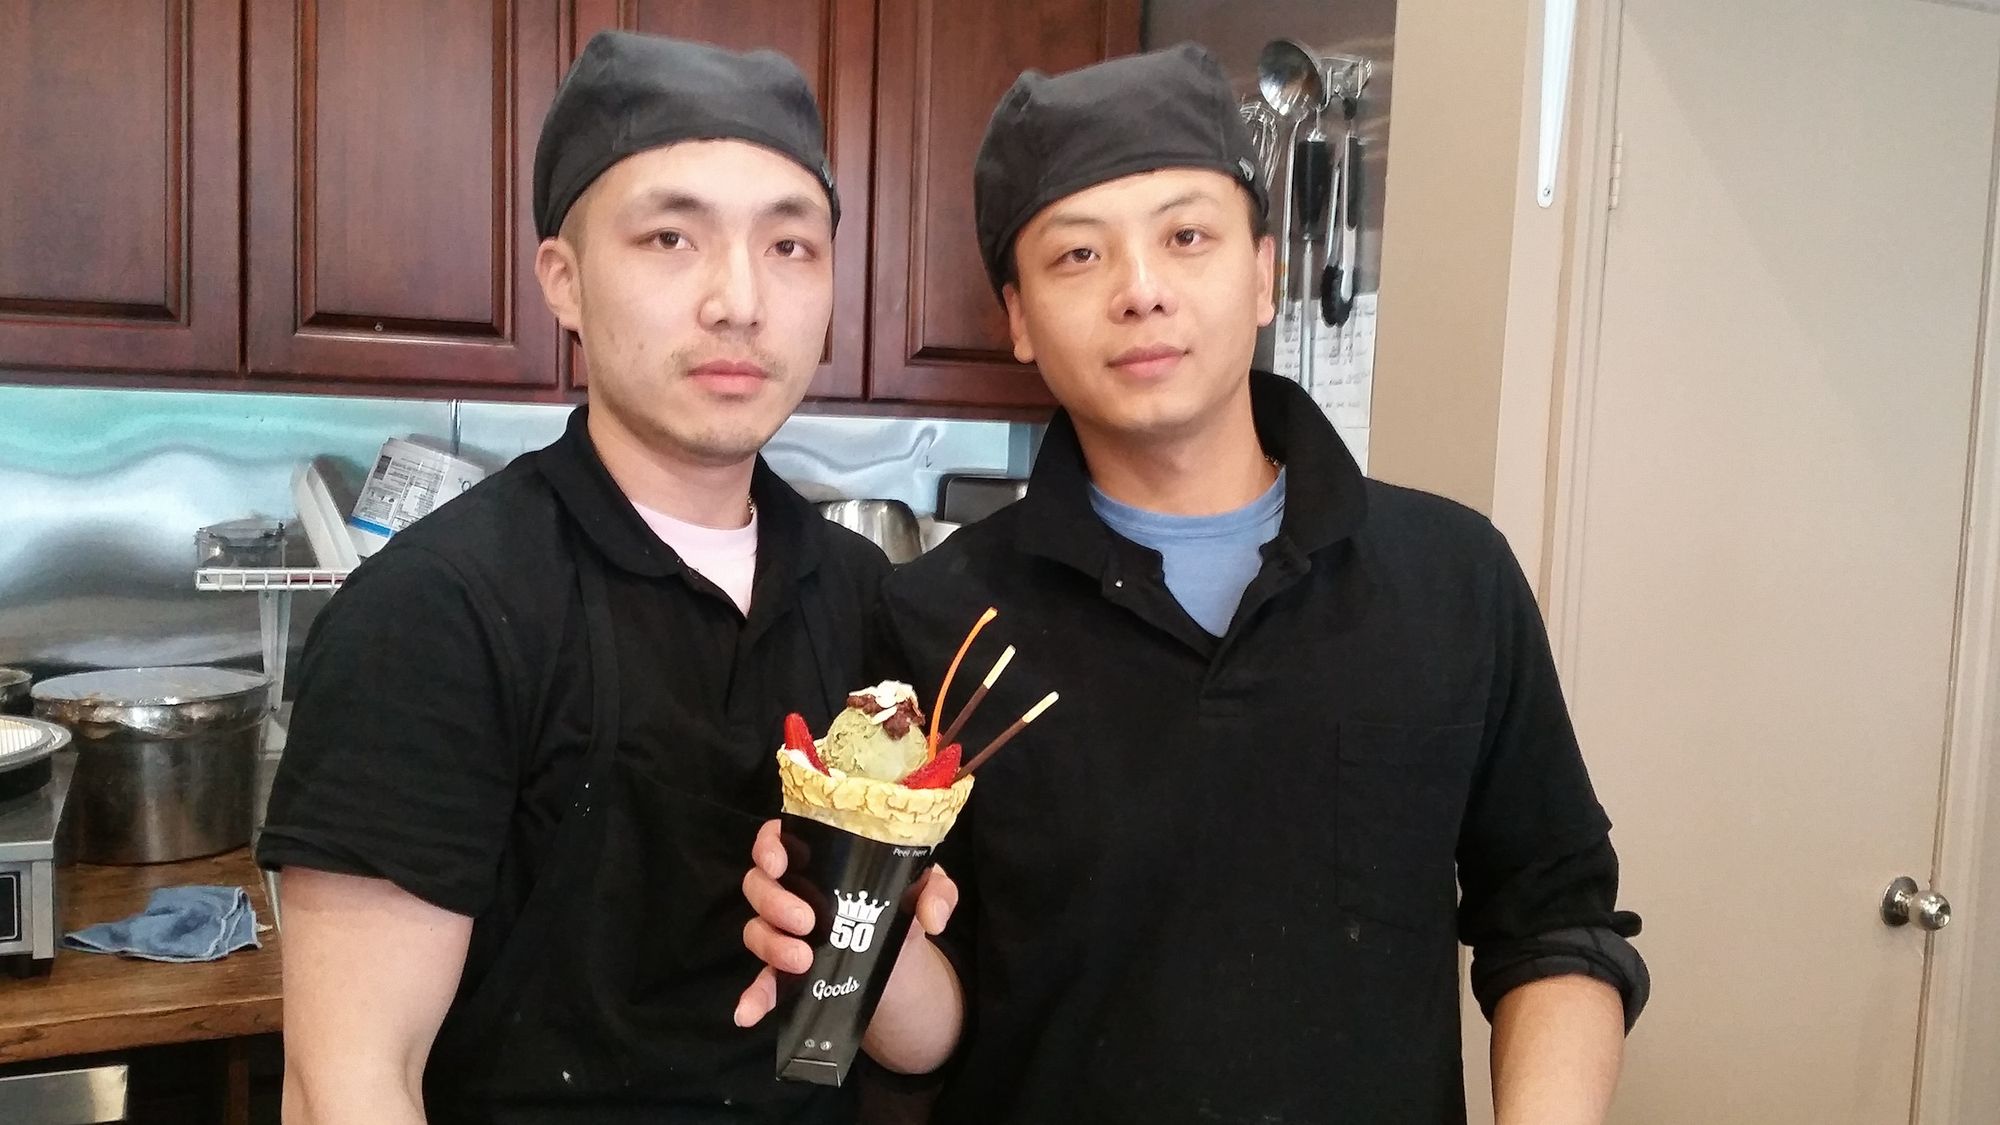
pixel 884 811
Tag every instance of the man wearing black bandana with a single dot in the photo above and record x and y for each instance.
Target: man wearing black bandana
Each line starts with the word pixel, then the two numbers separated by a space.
pixel 1311 739
pixel 533 735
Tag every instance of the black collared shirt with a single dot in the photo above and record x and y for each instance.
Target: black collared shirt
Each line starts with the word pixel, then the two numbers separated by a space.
pixel 1226 879
pixel 444 709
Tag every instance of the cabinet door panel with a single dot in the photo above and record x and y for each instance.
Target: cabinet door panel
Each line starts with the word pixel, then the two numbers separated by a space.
pixel 119 227
pixel 391 154
pixel 939 334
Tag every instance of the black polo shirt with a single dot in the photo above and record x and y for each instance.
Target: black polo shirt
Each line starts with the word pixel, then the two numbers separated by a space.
pixel 1226 879
pixel 445 704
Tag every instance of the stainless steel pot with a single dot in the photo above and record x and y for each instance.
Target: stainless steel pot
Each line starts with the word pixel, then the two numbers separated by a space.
pixel 14 685
pixel 166 759
pixel 889 524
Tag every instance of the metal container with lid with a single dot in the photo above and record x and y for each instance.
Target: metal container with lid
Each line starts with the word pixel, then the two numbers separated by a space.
pixel 241 543
pixel 166 759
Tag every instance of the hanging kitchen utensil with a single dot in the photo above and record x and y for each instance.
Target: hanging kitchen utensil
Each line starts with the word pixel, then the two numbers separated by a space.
pixel 1292 82
pixel 1326 292
pixel 1338 306
pixel 1347 76
pixel 1262 125
pixel 1312 186
pixel 1354 183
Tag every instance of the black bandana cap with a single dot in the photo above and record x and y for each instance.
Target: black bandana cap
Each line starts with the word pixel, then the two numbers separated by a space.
pixel 1051 137
pixel 629 93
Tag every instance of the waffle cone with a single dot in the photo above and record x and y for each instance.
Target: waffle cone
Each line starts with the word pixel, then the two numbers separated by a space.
pixel 877 810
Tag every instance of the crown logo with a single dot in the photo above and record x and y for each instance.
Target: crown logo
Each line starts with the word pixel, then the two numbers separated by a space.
pixel 859 908
pixel 854 921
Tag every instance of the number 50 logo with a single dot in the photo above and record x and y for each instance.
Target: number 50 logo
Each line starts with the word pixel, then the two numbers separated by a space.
pixel 854 921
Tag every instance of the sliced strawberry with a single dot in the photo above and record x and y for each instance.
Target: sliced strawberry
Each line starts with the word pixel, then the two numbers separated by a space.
pixel 798 736
pixel 938 773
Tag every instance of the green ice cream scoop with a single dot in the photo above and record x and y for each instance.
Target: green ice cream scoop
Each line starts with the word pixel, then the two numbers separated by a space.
pixel 859 745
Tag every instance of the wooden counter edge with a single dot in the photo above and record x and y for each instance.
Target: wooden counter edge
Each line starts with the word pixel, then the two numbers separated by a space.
pixel 119 1031
pixel 256 1007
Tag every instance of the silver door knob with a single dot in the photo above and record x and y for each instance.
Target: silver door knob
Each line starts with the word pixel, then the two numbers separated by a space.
pixel 1904 902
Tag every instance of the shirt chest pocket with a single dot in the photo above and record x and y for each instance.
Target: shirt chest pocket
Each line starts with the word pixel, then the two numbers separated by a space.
pixel 1399 798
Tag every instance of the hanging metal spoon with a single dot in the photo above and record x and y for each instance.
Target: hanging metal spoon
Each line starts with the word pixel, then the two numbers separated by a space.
pixel 1290 78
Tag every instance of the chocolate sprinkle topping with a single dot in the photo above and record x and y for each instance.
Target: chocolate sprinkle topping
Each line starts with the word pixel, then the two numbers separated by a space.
pixel 907 715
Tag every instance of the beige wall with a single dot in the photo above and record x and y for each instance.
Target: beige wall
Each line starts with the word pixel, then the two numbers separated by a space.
pixel 1471 313
pixel 1472 270
pixel 1447 245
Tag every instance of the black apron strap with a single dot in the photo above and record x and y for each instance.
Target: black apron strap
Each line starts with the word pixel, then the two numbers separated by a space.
pixel 819 636
pixel 604 685
pixel 578 837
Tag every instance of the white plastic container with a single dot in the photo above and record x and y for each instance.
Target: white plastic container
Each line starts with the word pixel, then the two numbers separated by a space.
pixel 409 481
pixel 319 513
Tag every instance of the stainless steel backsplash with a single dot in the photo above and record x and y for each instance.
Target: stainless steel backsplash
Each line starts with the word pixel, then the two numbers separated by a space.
pixel 101 492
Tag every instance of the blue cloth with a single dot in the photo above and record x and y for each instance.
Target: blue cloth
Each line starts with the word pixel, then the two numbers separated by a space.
pixel 178 924
pixel 1209 560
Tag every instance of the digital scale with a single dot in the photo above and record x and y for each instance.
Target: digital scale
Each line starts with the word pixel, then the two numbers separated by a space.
pixel 34 781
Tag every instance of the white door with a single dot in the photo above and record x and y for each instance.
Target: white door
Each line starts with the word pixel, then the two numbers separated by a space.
pixel 1759 568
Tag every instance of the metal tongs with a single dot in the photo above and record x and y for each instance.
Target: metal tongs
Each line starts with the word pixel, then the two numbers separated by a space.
pixel 1347 77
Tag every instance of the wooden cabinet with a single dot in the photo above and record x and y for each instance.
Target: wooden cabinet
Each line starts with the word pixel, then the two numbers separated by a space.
pixel 833 43
pixel 337 194
pixel 938 333
pixel 390 162
pixel 119 210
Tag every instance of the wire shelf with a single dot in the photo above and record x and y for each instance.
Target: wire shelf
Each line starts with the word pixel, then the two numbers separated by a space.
pixel 255 579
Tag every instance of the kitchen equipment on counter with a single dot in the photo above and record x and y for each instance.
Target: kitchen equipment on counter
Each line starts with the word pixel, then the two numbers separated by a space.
pixel 14 684
pixel 166 759
pixel 971 497
pixel 275 579
pixel 35 780
pixel 889 524
pixel 241 543
pixel 26 747
pixel 409 481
